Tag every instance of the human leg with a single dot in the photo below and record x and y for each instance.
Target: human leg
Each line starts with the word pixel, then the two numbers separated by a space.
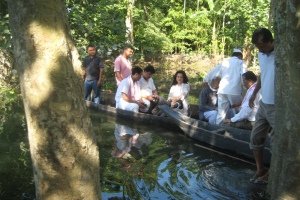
pixel 96 92
pixel 257 139
pixel 234 100
pixel 211 116
pixel 87 89
pixel 124 105
pixel 223 106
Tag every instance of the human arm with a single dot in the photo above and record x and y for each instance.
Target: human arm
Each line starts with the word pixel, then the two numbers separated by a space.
pixel 216 71
pixel 253 96
pixel 119 76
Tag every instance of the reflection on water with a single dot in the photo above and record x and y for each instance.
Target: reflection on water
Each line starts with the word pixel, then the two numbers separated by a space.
pixel 144 162
pixel 129 140
pixel 151 163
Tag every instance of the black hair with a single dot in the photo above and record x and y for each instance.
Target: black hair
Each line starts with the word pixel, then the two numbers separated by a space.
pixel 136 70
pixel 150 69
pixel 127 46
pixel 237 54
pixel 264 33
pixel 91 45
pixel 185 78
pixel 249 75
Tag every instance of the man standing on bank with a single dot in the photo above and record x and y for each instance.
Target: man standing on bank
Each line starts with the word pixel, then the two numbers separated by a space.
pixel 93 68
pixel 123 65
pixel 265 118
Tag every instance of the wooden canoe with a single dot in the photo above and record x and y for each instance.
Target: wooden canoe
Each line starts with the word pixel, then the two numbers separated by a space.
pixel 227 138
pixel 134 117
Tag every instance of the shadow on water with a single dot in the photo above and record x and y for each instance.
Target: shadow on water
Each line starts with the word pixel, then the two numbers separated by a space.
pixel 142 162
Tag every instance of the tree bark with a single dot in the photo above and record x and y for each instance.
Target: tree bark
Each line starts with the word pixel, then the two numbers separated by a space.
pixel 129 22
pixel 63 149
pixel 285 165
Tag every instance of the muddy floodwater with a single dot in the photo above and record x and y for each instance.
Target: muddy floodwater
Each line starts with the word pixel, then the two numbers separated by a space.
pixel 141 162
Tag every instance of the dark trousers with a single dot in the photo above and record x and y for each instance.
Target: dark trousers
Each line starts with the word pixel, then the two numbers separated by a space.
pixel 90 85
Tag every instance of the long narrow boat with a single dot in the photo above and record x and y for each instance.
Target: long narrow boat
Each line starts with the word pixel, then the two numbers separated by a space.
pixel 135 117
pixel 227 138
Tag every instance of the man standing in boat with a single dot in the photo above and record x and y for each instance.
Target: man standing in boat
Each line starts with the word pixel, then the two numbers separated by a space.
pixel 230 87
pixel 245 118
pixel 128 95
pixel 123 66
pixel 265 118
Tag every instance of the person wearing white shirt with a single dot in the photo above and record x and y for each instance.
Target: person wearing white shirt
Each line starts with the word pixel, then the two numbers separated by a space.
pixel 179 92
pixel 230 87
pixel 245 118
pixel 128 95
pixel 265 117
pixel 148 89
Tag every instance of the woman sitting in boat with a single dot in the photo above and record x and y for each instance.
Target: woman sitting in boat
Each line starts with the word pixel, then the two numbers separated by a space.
pixel 245 118
pixel 208 107
pixel 179 92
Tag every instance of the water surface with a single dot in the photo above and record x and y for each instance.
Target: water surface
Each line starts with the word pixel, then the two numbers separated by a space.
pixel 156 163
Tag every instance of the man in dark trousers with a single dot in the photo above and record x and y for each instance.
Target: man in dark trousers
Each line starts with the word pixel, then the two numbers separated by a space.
pixel 93 69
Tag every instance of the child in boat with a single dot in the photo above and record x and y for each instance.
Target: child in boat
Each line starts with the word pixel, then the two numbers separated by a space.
pixel 179 91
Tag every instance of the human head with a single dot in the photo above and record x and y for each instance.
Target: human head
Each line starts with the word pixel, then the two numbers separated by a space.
pixel 127 51
pixel 136 73
pixel 180 77
pixel 148 72
pixel 249 78
pixel 91 50
pixel 262 38
pixel 237 53
pixel 215 82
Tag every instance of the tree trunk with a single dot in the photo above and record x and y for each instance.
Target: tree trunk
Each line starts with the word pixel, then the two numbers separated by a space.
pixel 285 165
pixel 214 41
pixel 129 22
pixel 63 149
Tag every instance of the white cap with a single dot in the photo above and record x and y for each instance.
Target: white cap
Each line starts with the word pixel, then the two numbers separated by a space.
pixel 236 50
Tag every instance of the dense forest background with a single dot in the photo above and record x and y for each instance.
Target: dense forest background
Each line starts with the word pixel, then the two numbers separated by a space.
pixel 210 27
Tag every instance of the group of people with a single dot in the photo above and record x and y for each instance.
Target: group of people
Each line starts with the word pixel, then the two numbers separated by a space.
pixel 136 89
pixel 221 100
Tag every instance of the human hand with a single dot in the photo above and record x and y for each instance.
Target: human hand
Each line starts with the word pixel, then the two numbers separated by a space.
pixel 141 104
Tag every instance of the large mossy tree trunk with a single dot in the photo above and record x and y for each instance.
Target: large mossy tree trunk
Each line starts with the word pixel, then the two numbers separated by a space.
pixel 285 165
pixel 63 149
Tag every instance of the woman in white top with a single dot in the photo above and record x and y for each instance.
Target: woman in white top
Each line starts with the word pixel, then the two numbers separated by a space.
pixel 179 92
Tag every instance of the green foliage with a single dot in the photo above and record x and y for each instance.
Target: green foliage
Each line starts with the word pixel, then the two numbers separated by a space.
pixel 5 36
pixel 160 26
pixel 15 164
pixel 97 22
